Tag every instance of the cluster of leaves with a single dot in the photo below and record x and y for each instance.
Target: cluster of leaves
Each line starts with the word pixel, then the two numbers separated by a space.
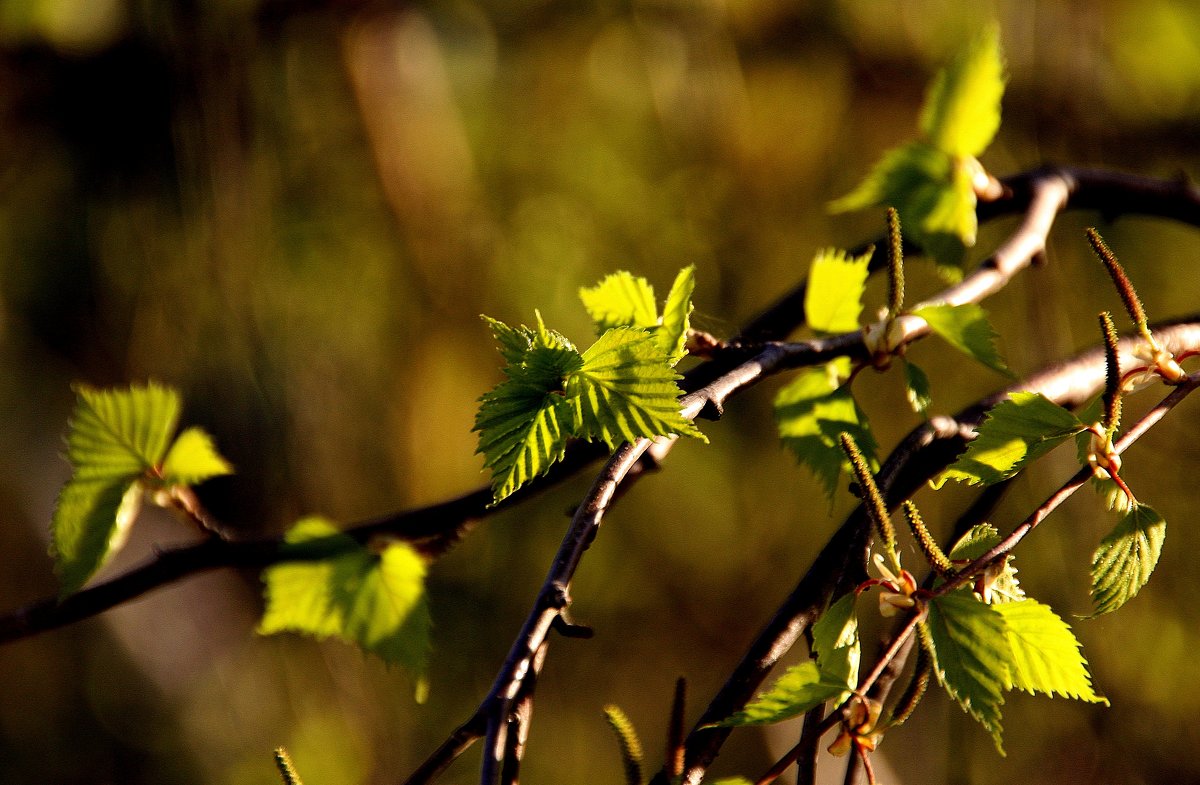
pixel 818 405
pixel 623 387
pixel 326 585
pixel 935 181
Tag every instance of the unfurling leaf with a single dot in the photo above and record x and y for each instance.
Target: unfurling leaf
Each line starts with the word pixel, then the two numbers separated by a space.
pixel 833 298
pixel 1015 432
pixel 90 523
pixel 375 600
pixel 966 328
pixel 997 586
pixel 625 389
pixel 968 644
pixel 812 411
pixel 1046 655
pixel 1125 559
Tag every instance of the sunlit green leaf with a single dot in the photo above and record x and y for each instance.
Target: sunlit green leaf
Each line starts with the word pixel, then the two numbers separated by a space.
pixel 916 388
pixel 120 432
pixel 800 688
pixel 513 342
pixel 966 328
pixel 833 300
pixel 374 599
pixel 961 113
pixel 523 423
pixel 672 333
pixel 836 644
pixel 1046 656
pixel 1125 559
pixel 193 458
pixel 620 300
pixel 91 520
pixel 1015 432
pixel 812 411
pixel 971 655
pixel 933 193
pixel 625 389
pixel 733 781
pixel 115 437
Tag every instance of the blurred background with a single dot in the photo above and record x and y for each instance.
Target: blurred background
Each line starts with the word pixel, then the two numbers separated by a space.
pixel 294 211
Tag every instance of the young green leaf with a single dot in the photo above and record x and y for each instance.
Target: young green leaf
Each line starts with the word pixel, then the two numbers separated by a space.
pixel 836 644
pixel 932 182
pixel 812 411
pixel 916 388
pixel 961 113
pixel 966 328
pixel 1125 559
pixel 523 423
pixel 373 599
pixel 800 688
pixel 672 333
pixel 620 300
pixel 192 459
pixel 968 643
pixel 120 433
pixel 1046 656
pixel 1015 432
pixel 116 438
pixel 91 521
pixel 625 389
pixel 833 299
pixel 513 342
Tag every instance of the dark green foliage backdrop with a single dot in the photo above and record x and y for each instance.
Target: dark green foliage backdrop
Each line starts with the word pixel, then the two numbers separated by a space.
pixel 294 212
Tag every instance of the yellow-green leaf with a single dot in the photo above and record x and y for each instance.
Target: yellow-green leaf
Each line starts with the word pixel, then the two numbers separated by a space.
pixel 961 113
pixel 833 299
pixel 1046 656
pixel 91 522
pixel 193 458
pixel 966 328
pixel 1125 559
pixel 374 599
pixel 620 300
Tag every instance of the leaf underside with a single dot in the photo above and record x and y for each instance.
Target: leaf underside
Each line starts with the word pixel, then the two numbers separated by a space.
pixel 1122 564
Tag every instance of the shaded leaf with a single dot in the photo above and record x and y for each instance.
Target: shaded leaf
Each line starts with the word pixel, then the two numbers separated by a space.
pixel 1015 432
pixel 833 299
pixel 620 300
pixel 961 113
pixel 625 389
pixel 812 411
pixel 1122 564
pixel 966 328
pixel 193 458
pixel 513 342
pixel 374 600
pixel 1046 656
pixel 90 523
pixel 969 648
pixel 916 388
